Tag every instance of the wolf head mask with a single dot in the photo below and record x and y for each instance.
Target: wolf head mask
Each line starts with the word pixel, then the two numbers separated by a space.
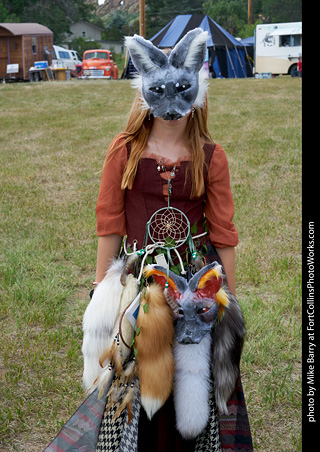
pixel 171 84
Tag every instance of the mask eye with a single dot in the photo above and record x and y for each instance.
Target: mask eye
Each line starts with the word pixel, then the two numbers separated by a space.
pixel 202 310
pixel 183 87
pixel 157 89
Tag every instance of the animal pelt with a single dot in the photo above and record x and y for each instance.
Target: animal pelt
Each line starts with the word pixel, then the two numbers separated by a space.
pixel 204 305
pixel 192 386
pixel 117 353
pixel 101 323
pixel 227 343
pixel 154 341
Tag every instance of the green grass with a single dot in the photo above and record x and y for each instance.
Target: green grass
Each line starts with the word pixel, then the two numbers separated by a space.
pixel 53 139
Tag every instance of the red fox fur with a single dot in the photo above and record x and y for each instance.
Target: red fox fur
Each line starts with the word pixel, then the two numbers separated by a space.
pixel 154 342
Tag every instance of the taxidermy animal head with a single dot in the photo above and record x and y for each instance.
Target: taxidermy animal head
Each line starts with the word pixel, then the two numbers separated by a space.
pixel 171 84
pixel 201 305
pixel 196 304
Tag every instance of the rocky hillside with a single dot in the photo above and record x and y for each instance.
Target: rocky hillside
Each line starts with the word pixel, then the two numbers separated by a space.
pixel 108 6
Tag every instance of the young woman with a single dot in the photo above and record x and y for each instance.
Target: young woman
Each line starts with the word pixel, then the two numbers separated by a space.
pixel 164 152
pixel 165 156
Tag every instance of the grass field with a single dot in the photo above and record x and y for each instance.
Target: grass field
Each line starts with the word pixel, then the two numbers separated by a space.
pixel 53 139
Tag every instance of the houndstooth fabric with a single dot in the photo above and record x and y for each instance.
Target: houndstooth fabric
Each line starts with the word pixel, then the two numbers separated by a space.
pixel 110 431
pixel 129 439
pixel 209 439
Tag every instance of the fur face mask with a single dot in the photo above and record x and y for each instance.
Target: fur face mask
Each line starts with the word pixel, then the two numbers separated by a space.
pixel 171 84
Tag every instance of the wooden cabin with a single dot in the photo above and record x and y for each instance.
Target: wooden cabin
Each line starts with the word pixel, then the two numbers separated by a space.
pixel 23 44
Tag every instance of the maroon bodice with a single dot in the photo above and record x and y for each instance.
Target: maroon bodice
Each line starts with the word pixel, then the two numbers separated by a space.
pixel 146 197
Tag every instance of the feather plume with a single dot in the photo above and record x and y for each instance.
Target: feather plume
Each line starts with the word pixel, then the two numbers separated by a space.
pixel 104 380
pixel 123 325
pixel 108 355
pixel 117 353
pixel 130 371
pixel 127 401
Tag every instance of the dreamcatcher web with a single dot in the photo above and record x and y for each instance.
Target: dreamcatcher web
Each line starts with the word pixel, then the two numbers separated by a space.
pixel 169 227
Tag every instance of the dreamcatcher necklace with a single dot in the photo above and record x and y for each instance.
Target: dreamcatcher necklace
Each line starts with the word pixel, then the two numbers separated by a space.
pixel 168 229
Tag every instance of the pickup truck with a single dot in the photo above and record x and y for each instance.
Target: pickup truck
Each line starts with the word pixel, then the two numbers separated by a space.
pixel 98 63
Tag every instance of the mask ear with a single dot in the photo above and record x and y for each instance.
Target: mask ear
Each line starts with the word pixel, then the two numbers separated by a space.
pixel 190 52
pixel 145 56
pixel 176 284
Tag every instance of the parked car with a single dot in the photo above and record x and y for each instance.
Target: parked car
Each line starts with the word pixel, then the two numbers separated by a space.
pixel 62 57
pixel 98 63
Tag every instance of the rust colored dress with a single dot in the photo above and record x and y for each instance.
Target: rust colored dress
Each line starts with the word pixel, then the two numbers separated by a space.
pixel 125 212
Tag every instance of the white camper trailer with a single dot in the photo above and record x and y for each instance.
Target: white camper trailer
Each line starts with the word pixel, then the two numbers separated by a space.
pixel 277 48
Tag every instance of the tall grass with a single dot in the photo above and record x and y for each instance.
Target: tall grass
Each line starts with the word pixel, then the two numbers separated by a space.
pixel 53 139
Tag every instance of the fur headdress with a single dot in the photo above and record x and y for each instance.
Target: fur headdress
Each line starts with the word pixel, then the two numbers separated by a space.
pixel 171 84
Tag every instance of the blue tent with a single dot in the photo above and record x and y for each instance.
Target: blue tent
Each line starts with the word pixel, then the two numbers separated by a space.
pixel 249 44
pixel 248 41
pixel 227 55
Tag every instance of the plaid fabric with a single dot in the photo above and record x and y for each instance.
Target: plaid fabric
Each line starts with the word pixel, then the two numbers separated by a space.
pixel 235 432
pixel 81 431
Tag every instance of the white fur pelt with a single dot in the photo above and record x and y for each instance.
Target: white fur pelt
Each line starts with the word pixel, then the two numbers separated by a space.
pixel 192 386
pixel 101 321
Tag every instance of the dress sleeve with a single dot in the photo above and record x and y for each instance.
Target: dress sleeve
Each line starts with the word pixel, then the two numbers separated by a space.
pixel 110 211
pixel 219 208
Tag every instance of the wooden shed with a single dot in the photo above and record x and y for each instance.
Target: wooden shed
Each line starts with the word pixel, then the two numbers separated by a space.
pixel 23 44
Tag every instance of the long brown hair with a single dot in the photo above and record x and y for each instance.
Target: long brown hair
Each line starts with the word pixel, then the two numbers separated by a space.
pixel 137 132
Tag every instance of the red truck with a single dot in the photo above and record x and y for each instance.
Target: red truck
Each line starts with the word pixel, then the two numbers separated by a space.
pixel 98 63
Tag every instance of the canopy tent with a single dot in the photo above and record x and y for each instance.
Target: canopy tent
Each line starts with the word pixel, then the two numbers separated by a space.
pixel 249 44
pixel 226 55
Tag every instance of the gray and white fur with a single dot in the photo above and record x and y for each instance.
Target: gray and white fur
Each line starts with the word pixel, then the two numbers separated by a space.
pixel 171 84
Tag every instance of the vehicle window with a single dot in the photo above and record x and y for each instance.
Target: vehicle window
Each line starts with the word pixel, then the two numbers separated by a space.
pixel 289 40
pixel 63 54
pixel 101 55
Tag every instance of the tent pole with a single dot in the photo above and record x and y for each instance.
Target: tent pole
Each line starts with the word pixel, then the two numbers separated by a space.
pixel 241 63
pixel 235 75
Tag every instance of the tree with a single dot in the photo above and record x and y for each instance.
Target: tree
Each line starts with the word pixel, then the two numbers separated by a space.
pixel 275 11
pixel 81 45
pixel 57 15
pixel 232 15
pixel 120 23
pixel 160 12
